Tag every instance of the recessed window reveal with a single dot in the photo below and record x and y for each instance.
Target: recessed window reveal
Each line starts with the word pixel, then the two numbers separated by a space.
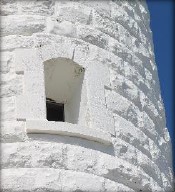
pixel 63 85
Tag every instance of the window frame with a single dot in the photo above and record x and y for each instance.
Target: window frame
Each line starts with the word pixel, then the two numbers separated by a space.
pixel 30 62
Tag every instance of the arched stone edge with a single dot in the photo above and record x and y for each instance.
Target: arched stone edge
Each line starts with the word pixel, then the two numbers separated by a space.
pixel 26 179
pixel 68 129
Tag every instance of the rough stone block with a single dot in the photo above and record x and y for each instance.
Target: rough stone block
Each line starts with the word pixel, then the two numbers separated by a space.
pixel 5 62
pixel 8 106
pixel 76 13
pixel 12 131
pixel 22 25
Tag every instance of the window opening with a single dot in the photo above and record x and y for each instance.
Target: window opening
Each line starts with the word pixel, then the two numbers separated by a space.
pixel 63 90
pixel 55 111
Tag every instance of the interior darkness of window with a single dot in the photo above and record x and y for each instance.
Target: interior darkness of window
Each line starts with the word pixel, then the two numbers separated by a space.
pixel 55 111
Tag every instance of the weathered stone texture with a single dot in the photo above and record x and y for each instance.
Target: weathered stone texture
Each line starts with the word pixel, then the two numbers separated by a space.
pixel 113 34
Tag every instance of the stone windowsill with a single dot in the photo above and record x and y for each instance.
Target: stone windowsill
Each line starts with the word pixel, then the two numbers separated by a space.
pixel 67 129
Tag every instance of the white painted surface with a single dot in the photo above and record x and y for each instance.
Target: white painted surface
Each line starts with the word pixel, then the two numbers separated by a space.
pixel 64 128
pixel 121 99
pixel 63 84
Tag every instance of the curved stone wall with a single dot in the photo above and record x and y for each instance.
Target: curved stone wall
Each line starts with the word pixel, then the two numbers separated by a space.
pixel 115 34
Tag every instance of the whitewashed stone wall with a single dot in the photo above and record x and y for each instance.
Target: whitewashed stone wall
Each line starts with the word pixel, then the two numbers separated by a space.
pixel 133 151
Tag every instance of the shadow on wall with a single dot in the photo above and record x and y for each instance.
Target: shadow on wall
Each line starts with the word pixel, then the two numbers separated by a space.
pixel 108 149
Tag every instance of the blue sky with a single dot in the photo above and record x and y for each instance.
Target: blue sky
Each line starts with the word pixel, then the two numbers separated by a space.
pixel 161 12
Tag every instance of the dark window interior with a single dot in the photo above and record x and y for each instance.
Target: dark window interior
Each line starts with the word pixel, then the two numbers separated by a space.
pixel 55 111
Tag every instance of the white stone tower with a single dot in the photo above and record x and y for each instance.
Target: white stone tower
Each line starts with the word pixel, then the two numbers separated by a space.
pixel 80 102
